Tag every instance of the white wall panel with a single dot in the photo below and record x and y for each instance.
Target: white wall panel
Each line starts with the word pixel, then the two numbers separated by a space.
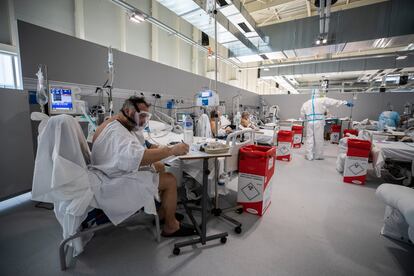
pixel 57 15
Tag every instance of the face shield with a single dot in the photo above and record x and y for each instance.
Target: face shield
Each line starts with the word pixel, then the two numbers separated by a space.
pixel 141 119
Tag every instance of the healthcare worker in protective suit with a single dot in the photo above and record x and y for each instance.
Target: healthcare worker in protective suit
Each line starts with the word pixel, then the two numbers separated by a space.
pixel 131 173
pixel 388 118
pixel 313 111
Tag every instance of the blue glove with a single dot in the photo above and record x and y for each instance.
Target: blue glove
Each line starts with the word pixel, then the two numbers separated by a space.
pixel 349 104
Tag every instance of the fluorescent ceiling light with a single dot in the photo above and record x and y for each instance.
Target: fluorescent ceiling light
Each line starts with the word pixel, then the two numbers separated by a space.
pixel 266 69
pixel 136 18
pixel 275 55
pixel 267 77
pixel 401 57
pixel 251 58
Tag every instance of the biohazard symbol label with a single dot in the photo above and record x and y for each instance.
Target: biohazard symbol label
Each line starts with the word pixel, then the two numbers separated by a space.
pixel 250 191
pixel 296 139
pixel 356 168
pixel 335 136
pixel 283 150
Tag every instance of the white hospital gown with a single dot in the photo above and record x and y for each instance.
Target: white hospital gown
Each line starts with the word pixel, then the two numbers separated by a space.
pixel 116 157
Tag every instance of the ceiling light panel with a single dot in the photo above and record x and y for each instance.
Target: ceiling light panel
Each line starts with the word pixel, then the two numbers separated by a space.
pixel 191 12
pixel 275 55
pixel 251 58
pixel 229 10
pixel 179 6
pixel 290 53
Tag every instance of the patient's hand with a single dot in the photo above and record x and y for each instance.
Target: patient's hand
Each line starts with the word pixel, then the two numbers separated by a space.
pixel 180 149
pixel 159 167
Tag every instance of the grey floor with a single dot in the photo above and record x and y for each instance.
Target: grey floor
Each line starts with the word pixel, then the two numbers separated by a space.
pixel 316 225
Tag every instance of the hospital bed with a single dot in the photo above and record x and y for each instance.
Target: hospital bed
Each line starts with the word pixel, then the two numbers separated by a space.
pixel 394 157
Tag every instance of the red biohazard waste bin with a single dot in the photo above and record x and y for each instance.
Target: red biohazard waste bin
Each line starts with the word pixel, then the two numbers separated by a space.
pixel 297 135
pixel 356 161
pixel 335 132
pixel 256 169
pixel 350 131
pixel 284 145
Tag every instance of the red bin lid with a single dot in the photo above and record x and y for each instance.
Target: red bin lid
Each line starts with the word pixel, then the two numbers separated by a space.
pixel 336 128
pixel 284 133
pixel 360 144
pixel 297 127
pixel 260 151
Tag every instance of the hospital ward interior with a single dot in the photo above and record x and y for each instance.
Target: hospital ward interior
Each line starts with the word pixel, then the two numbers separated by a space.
pixel 208 137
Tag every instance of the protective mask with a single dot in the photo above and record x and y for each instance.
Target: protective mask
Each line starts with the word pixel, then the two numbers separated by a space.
pixel 141 119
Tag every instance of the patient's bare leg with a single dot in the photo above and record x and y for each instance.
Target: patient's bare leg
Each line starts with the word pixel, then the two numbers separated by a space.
pixel 168 191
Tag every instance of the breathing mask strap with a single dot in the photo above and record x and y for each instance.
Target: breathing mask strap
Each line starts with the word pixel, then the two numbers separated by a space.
pixel 128 118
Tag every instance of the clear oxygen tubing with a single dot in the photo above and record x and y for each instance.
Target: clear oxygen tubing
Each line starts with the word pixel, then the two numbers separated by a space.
pixel 111 73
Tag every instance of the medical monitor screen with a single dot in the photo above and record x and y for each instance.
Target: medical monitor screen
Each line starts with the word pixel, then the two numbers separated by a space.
pixel 206 94
pixel 180 117
pixel 61 99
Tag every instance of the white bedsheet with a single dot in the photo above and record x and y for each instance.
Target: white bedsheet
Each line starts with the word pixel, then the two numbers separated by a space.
pixel 265 137
pixel 398 151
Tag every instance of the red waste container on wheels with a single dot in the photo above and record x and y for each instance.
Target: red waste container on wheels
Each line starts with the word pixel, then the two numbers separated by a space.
pixel 356 161
pixel 256 169
pixel 297 136
pixel 350 131
pixel 335 133
pixel 284 145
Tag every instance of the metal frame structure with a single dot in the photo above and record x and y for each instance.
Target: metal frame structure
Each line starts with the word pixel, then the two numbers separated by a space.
pixel 63 249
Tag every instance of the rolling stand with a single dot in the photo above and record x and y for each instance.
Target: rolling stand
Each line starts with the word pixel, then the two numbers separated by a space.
pixel 201 229
pixel 220 212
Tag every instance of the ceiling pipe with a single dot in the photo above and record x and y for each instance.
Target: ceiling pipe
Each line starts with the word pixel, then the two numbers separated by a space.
pixel 321 16
pixel 331 60
pixel 327 16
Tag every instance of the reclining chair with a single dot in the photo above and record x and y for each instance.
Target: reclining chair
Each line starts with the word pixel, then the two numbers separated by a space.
pixel 61 177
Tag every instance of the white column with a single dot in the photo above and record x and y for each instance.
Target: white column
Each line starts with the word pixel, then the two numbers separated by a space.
pixel 79 19
pixel 122 18
pixel 178 42
pixel 195 55
pixel 154 32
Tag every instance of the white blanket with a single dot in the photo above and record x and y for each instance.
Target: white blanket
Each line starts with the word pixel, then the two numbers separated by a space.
pixel 398 151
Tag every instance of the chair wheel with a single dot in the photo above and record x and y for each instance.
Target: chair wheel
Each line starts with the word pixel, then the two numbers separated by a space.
pixel 223 240
pixel 238 229
pixel 176 251
pixel 239 211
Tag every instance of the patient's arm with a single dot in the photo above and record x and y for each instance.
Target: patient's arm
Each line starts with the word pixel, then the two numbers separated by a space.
pixel 154 155
pixel 159 167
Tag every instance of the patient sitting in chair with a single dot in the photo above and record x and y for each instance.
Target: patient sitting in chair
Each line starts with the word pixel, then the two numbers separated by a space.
pixel 223 131
pixel 120 155
pixel 245 121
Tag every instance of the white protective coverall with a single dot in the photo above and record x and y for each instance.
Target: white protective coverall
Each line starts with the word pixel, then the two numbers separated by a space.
pixel 116 157
pixel 313 111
